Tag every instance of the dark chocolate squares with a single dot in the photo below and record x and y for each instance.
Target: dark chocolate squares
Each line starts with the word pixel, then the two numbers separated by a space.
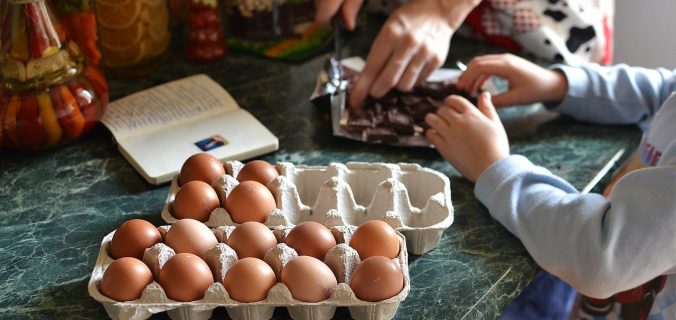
pixel 398 116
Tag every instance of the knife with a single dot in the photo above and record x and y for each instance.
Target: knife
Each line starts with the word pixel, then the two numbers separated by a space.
pixel 336 70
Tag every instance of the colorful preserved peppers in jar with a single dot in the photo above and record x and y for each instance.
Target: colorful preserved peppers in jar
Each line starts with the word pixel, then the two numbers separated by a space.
pixel 205 32
pixel 49 95
pixel 134 35
pixel 79 21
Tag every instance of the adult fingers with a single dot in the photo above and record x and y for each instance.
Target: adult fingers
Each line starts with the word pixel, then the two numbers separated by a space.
pixel 395 66
pixel 326 9
pixel 381 50
pixel 413 70
pixel 350 10
pixel 432 64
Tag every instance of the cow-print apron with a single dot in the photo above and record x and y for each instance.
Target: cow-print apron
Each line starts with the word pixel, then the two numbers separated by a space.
pixel 567 31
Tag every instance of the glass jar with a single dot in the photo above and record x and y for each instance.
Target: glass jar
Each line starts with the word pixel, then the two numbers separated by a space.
pixel 134 35
pixel 205 32
pixel 79 22
pixel 267 19
pixel 279 29
pixel 49 95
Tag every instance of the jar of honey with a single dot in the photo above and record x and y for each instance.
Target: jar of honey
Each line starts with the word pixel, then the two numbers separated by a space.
pixel 49 93
pixel 134 35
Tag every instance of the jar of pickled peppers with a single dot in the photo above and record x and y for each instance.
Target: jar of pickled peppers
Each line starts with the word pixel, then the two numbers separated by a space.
pixel 49 94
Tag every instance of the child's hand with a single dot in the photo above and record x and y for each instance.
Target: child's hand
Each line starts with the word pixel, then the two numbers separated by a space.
pixel 470 138
pixel 528 82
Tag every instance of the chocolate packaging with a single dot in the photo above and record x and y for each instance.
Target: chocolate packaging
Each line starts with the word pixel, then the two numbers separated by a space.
pixel 398 118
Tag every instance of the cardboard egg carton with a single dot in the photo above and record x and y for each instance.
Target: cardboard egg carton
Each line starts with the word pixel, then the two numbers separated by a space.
pixel 341 259
pixel 416 201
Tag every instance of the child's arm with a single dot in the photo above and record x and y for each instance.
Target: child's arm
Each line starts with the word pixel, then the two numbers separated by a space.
pixel 470 138
pixel 599 245
pixel 609 95
pixel 528 82
pixel 615 95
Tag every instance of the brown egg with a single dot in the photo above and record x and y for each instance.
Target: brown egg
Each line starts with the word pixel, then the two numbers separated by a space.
pixel 190 236
pixel 125 279
pixel 250 201
pixel 185 277
pixel 311 238
pixel 201 166
pixel 195 200
pixel 251 239
pixel 376 278
pixel 132 238
pixel 375 238
pixel 249 280
pixel 308 279
pixel 258 170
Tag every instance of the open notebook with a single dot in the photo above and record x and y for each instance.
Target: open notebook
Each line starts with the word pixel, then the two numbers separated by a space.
pixel 158 128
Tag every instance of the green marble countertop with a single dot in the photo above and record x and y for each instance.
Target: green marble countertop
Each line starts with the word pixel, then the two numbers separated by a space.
pixel 56 206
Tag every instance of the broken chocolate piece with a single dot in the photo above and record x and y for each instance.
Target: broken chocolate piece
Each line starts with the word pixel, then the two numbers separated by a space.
pixel 438 90
pixel 419 110
pixel 398 115
pixel 379 119
pixel 410 99
pixel 437 103
pixel 401 123
pixel 358 121
pixel 385 135
pixel 390 99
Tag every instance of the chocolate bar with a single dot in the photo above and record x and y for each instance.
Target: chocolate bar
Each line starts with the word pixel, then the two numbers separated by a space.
pixel 385 135
pixel 399 122
pixel 358 121
pixel 437 90
pixel 397 115
pixel 421 108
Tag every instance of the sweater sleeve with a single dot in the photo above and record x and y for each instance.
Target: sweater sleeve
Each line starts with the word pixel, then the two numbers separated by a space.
pixel 614 95
pixel 600 246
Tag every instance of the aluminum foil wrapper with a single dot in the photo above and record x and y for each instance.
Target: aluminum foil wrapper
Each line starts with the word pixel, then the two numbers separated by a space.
pixel 395 119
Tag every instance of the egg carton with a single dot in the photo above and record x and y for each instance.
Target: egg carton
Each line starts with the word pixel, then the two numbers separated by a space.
pixel 341 259
pixel 416 201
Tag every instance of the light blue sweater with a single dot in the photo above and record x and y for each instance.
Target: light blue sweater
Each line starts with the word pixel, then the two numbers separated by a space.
pixel 601 246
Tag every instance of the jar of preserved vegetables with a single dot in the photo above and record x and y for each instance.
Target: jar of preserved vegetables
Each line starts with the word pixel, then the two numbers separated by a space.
pixel 134 35
pixel 49 94
pixel 205 32
pixel 78 20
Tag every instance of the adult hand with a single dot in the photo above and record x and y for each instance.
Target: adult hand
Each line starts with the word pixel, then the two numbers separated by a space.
pixel 326 9
pixel 471 139
pixel 527 82
pixel 412 43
